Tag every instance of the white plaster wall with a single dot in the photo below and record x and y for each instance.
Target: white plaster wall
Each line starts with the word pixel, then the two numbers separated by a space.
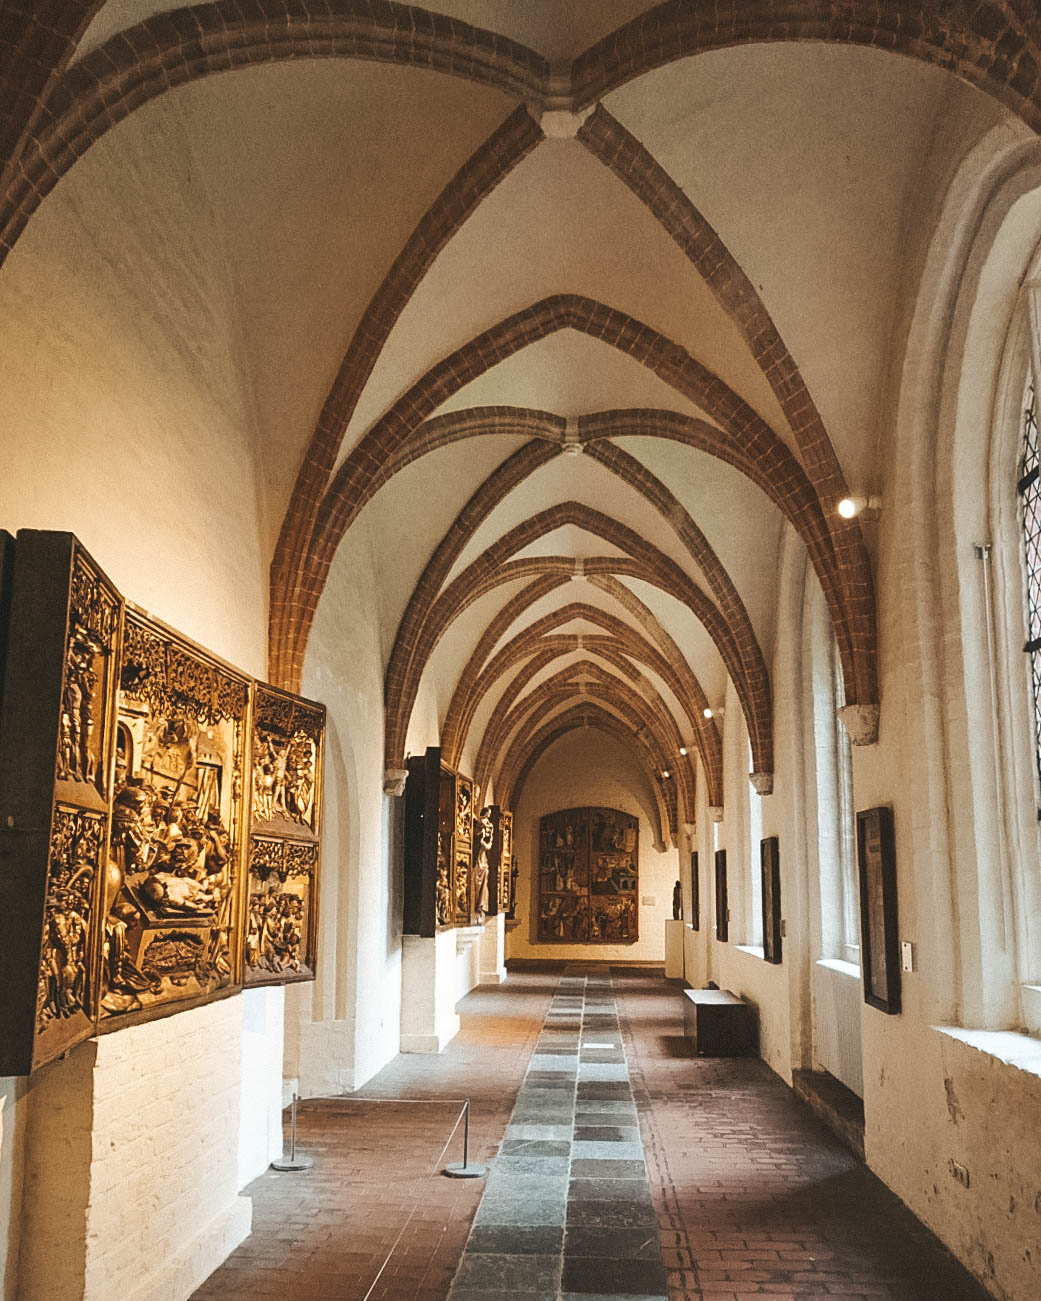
pixel 589 768
pixel 125 421
pixel 260 1084
pixel 345 1027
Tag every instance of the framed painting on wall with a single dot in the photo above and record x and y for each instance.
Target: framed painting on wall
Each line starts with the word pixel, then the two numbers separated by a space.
pixel 722 906
pixel 880 947
pixel 770 866
pixel 695 892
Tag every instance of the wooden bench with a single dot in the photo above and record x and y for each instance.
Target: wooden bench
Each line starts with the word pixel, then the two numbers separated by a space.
pixel 720 1023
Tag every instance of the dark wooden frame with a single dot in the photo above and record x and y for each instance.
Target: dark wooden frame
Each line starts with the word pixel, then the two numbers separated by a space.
pixel 722 902
pixel 770 866
pixel 879 918
pixel 695 892
pixel 422 793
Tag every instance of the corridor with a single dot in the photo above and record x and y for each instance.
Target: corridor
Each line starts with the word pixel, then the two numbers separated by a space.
pixel 725 1187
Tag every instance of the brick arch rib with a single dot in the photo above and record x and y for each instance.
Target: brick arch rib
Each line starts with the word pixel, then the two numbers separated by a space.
pixel 640 702
pixel 518 766
pixel 987 45
pixel 182 45
pixel 607 140
pixel 478 176
pixel 352 484
pixel 491 568
pixel 533 643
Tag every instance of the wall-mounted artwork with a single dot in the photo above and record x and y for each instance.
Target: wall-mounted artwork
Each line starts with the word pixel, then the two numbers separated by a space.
pixel 439 876
pixel 462 852
pixel 285 810
pixel 171 907
pixel 128 774
pixel 770 867
pixel 880 946
pixel 695 892
pixel 56 738
pixel 722 904
pixel 588 877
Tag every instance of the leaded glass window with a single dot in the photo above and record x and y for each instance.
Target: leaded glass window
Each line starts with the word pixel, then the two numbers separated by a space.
pixel 1029 489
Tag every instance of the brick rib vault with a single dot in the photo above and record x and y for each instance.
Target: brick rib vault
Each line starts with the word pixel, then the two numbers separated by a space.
pixel 59 101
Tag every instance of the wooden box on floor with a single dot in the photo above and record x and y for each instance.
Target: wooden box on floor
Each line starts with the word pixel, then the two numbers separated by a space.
pixel 719 1023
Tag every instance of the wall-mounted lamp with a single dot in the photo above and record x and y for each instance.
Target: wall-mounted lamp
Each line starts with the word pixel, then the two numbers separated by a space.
pixel 683 750
pixel 718 712
pixel 665 774
pixel 850 507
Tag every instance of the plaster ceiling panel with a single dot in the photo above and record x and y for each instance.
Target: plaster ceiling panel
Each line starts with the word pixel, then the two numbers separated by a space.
pixel 741 523
pixel 805 158
pixel 115 16
pixel 655 688
pixel 585 480
pixel 570 540
pixel 689 634
pixel 560 222
pixel 559 29
pixel 569 374
pixel 408 521
pixel 456 646
pixel 564 594
pixel 308 177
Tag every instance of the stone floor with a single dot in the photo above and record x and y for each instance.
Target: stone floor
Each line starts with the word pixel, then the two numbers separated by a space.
pixel 727 1188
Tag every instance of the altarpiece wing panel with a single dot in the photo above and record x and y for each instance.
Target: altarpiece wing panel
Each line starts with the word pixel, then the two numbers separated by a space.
pixel 56 739
pixel 288 737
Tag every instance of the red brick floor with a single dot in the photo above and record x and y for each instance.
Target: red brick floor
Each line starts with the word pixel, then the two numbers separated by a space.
pixel 754 1197
pixel 375 1190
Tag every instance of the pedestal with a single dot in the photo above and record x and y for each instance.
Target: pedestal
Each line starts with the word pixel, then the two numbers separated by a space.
pixel 428 976
pixel 493 950
pixel 674 950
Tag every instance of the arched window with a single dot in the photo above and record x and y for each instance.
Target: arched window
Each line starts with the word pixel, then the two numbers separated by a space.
pixel 1028 488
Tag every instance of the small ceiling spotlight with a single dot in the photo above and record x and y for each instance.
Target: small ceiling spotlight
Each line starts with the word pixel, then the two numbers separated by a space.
pixel 850 507
pixel 709 712
pixel 683 750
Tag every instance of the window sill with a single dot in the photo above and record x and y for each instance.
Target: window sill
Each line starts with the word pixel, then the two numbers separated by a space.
pixel 1020 1051
pixel 1031 998
pixel 840 965
pixel 756 950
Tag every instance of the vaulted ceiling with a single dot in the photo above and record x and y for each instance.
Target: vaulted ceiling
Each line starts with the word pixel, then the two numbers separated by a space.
pixel 578 321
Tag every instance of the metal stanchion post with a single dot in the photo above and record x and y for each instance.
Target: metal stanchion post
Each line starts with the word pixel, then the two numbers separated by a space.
pixel 292 1161
pixel 466 1170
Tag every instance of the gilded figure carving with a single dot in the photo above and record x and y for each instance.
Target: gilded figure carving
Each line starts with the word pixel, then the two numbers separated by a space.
pixel 77 839
pixel 281 884
pixel 92 627
pixel 286 738
pixel 169 909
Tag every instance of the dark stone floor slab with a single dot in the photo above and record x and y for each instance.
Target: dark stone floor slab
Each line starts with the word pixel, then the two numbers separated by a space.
pixel 606 1133
pixel 614 1242
pixel 590 1168
pixel 604 1091
pixel 514 1240
pixel 511 1274
pixel 625 1277
pixel 535 1147
pixel 610 1215
pixel 609 1190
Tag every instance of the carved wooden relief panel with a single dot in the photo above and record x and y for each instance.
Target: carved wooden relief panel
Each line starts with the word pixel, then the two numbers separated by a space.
pixel 128 804
pixel 55 787
pixel 493 856
pixel 172 901
pixel 288 734
pixel 462 852
pixel 588 877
